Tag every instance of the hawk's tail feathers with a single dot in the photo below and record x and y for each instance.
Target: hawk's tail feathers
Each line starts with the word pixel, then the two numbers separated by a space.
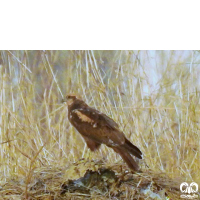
pixel 127 158
pixel 132 149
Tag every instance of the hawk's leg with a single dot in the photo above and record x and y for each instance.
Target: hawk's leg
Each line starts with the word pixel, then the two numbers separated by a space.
pixel 92 145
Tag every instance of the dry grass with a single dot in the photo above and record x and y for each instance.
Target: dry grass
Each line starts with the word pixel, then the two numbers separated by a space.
pixel 155 101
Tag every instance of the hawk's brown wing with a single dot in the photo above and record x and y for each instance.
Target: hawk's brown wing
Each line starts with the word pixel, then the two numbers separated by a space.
pixel 94 114
pixel 96 126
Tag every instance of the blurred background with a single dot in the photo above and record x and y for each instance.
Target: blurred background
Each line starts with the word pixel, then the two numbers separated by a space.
pixel 153 95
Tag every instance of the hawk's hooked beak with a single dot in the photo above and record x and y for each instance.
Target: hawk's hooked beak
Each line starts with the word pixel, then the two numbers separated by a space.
pixel 64 100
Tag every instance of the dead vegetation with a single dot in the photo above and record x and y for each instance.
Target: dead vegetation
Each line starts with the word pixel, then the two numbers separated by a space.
pixel 91 180
pixel 154 96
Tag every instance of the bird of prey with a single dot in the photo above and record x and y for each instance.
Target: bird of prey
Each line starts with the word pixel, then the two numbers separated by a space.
pixel 97 128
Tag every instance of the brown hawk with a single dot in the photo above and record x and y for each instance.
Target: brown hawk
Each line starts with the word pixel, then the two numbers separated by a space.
pixel 97 128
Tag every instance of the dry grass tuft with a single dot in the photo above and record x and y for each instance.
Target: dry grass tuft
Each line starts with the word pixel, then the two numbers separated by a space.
pixel 91 180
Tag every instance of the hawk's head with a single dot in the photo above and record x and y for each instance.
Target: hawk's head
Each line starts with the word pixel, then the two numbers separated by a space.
pixel 70 98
